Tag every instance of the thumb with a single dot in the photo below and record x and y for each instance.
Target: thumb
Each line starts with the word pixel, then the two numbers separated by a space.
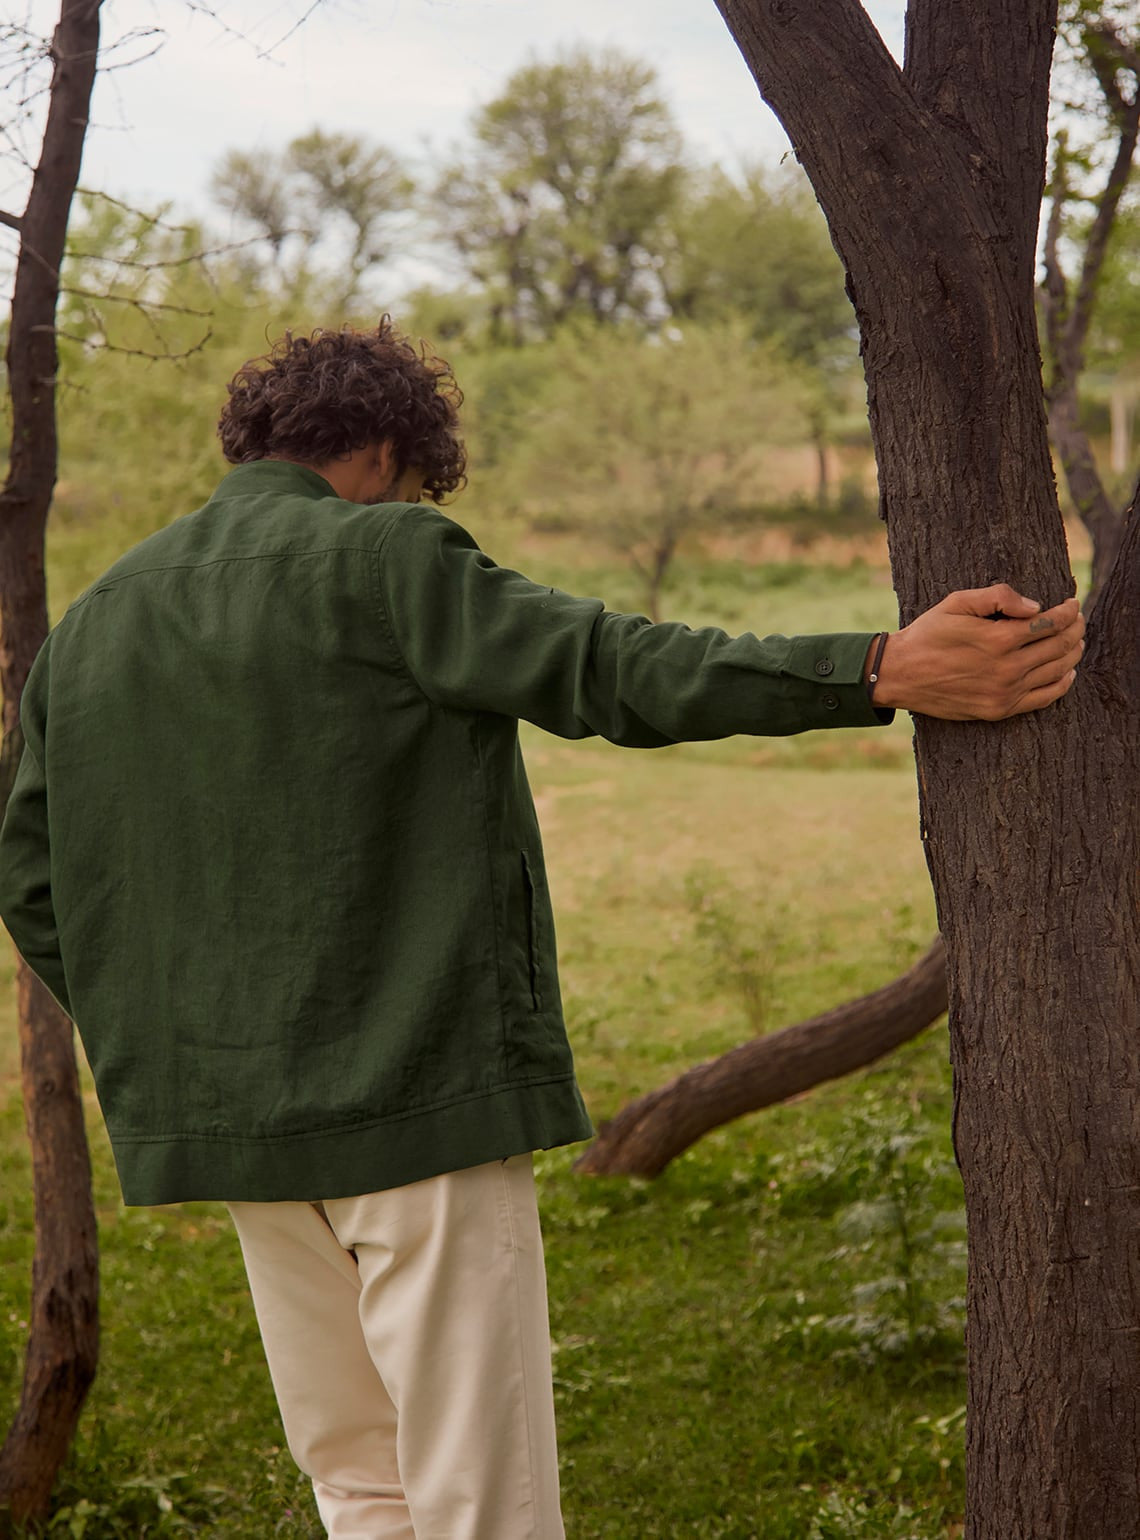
pixel 984 601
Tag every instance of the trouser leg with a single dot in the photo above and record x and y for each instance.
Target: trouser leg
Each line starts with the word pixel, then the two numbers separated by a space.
pixel 414 1380
pixel 453 1304
pixel 339 1421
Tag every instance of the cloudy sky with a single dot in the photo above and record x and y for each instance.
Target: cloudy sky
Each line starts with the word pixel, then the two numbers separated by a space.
pixel 404 72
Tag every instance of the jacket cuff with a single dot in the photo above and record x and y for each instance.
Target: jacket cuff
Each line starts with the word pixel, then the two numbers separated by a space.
pixel 830 669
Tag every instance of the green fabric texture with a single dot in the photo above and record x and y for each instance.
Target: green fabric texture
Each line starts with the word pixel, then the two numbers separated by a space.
pixel 271 842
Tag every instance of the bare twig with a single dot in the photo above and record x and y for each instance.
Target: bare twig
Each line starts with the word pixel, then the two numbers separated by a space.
pixel 200 8
pixel 140 58
pixel 203 9
pixel 296 27
pixel 167 356
pixel 130 208
pixel 162 264
pixel 133 301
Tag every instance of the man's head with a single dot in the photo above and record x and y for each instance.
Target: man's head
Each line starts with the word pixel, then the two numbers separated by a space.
pixel 367 401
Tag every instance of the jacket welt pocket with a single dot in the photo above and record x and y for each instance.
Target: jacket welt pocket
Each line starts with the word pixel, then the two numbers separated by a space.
pixel 530 884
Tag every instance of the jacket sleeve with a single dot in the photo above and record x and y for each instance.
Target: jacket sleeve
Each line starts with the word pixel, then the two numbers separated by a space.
pixel 25 854
pixel 477 636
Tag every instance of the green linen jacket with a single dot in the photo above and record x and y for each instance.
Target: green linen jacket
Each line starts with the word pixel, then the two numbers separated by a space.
pixel 271 843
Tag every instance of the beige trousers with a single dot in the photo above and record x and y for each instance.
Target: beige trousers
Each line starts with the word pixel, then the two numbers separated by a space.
pixel 409 1347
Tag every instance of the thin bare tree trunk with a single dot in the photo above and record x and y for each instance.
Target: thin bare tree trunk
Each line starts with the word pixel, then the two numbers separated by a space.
pixel 653 1130
pixel 63 1338
pixel 64 1325
pixel 1100 516
pixel 659 562
pixel 1068 307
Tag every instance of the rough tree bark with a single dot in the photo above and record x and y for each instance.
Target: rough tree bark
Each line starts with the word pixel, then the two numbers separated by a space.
pixel 1068 307
pixel 931 178
pixel 653 1130
pixel 63 1336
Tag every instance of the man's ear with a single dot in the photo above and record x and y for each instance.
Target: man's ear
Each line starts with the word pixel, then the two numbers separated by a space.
pixel 386 462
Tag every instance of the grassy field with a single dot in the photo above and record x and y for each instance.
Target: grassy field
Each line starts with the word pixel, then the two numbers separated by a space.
pixel 763 1344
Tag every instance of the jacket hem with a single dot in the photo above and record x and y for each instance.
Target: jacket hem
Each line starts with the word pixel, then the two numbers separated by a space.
pixel 347 1162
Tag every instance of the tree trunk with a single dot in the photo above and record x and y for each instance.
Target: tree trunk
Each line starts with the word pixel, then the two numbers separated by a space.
pixel 931 178
pixel 822 479
pixel 1122 410
pixel 1100 516
pixel 660 559
pixel 64 1324
pixel 63 1338
pixel 653 1130
pixel 1068 307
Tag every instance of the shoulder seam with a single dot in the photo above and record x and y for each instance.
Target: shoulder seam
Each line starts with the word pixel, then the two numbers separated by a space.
pixel 102 586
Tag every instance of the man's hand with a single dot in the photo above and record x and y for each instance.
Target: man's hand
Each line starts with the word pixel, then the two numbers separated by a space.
pixel 956 661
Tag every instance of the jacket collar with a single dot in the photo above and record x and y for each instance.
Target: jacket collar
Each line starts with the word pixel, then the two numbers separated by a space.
pixel 282 476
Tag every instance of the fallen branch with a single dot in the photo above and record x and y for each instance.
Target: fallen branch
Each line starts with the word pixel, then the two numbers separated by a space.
pixel 646 1135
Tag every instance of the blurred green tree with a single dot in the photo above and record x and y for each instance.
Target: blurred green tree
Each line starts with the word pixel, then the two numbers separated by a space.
pixel 323 188
pixel 757 247
pixel 561 206
pixel 641 441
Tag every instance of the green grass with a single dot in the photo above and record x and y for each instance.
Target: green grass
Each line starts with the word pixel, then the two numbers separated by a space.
pixel 745 1347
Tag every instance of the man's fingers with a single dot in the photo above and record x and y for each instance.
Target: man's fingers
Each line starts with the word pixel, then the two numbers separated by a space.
pixel 1060 618
pixel 956 662
pixel 1047 649
pixel 1062 624
pixel 1031 688
pixel 1047 670
pixel 1046 695
pixel 987 601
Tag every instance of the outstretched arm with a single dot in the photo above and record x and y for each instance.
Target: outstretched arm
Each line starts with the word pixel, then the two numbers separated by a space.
pixel 955 662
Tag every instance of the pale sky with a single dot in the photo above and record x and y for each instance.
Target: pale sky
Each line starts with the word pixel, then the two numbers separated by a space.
pixel 406 73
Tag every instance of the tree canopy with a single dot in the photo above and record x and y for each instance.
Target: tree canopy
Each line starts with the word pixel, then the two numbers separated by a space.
pixel 561 206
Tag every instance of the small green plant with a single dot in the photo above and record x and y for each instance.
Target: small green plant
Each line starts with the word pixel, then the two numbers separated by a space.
pixel 844 1518
pixel 738 939
pixel 907 1221
pixel 161 1505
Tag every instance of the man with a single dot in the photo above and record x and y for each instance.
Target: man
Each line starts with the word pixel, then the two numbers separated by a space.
pixel 272 846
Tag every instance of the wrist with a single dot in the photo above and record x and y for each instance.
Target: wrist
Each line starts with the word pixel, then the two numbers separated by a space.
pixel 873 668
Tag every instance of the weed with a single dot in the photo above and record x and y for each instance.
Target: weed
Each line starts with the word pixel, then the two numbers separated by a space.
pixel 850 1518
pixel 739 940
pixel 906 1220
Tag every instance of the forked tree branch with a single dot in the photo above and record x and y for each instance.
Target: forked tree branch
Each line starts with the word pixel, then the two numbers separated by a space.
pixel 839 57
pixel 962 79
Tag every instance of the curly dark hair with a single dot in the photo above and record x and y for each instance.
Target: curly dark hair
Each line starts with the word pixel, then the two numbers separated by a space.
pixel 315 399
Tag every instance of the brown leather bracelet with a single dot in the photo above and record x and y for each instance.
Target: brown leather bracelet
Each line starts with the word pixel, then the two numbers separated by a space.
pixel 873 676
